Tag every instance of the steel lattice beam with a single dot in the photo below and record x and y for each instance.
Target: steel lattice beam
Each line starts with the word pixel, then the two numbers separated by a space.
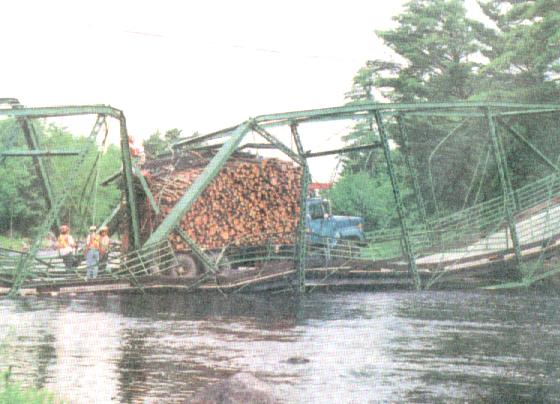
pixel 407 246
pixel 200 184
pixel 301 246
pixel 507 192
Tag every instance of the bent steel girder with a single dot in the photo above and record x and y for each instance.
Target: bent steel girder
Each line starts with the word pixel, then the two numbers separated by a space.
pixel 54 202
pixel 30 136
pixel 23 267
pixel 461 110
pixel 200 184
pixel 232 138
pixel 73 110
pixel 301 233
pixel 129 185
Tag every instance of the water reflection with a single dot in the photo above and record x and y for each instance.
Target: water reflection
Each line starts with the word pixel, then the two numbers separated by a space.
pixel 46 357
pixel 358 347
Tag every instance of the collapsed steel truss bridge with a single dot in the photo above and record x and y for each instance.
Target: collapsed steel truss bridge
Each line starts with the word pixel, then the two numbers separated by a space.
pixel 515 234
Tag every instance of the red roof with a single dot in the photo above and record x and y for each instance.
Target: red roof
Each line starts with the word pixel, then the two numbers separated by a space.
pixel 320 185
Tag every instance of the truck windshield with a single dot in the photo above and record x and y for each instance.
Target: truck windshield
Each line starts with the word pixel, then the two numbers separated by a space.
pixel 315 210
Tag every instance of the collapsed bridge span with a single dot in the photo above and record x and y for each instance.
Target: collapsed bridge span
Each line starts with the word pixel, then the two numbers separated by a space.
pixel 507 238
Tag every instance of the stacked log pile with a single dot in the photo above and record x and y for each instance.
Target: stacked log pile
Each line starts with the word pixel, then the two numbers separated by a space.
pixel 249 202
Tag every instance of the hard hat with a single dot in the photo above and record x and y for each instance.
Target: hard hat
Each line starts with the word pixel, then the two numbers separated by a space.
pixel 92 228
pixel 104 228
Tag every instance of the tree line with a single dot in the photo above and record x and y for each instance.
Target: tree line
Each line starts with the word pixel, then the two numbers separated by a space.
pixel 443 55
pixel 23 204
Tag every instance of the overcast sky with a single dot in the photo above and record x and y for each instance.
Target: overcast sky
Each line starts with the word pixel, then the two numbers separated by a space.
pixel 198 66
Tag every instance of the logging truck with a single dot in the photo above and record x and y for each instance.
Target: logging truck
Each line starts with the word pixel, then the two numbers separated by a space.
pixel 323 226
pixel 252 207
pixel 325 232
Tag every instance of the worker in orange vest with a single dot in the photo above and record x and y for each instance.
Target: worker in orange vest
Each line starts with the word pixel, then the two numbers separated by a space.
pixel 66 246
pixel 92 253
pixel 104 245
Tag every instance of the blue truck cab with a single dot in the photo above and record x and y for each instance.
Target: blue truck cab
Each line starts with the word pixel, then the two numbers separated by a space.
pixel 323 226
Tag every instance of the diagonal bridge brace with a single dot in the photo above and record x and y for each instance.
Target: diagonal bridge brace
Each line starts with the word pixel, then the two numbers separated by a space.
pixel 170 222
pixel 23 267
pixel 276 142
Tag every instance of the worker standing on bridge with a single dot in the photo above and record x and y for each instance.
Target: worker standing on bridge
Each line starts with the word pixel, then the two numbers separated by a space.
pixel 66 246
pixel 92 253
pixel 104 244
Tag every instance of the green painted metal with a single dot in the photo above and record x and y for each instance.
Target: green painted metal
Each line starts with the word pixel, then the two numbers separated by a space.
pixel 203 138
pixel 111 216
pixel 526 112
pixel 39 153
pixel 129 185
pixel 433 153
pixel 343 150
pixel 208 263
pixel 506 171
pixel 49 112
pixel 406 244
pixel 273 140
pixel 301 246
pixel 523 140
pixel 360 107
pixel 412 171
pixel 484 218
pixel 23 268
pixel 111 178
pixel 146 189
pixel 243 146
pixel 506 191
pixel 32 143
pixel 200 184
pixel 9 101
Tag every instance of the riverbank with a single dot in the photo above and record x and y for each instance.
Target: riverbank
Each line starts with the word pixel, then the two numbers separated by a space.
pixel 13 243
pixel 14 393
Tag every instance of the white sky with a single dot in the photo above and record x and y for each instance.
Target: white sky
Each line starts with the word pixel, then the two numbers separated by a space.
pixel 198 66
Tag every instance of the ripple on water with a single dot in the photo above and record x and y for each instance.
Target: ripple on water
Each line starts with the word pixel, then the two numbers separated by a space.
pixel 357 347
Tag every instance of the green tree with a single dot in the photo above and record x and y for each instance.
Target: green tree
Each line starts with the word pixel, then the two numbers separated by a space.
pixel 22 204
pixel 438 46
pixel 524 66
pixel 523 51
pixel 158 144
pixel 439 59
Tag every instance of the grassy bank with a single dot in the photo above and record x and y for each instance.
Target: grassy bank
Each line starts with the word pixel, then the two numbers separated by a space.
pixel 15 243
pixel 13 393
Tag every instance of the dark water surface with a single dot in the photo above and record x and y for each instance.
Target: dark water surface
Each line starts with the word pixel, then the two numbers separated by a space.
pixel 361 347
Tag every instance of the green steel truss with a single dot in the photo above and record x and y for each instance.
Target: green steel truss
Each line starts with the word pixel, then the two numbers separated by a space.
pixel 415 241
pixel 25 117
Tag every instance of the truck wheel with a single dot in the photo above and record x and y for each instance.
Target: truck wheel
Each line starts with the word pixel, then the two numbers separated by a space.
pixel 187 267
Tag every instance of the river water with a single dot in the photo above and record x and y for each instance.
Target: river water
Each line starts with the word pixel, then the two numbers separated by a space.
pixel 350 347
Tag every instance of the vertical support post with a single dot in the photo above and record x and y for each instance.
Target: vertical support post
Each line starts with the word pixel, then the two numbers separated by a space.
pixel 412 172
pixel 23 268
pixel 502 169
pixel 32 143
pixel 407 247
pixel 129 185
pixel 301 242
pixel 506 171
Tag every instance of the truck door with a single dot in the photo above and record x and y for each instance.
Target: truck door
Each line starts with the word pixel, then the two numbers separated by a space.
pixel 321 223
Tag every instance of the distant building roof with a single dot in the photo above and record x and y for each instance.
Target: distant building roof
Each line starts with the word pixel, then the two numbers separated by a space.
pixel 320 185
